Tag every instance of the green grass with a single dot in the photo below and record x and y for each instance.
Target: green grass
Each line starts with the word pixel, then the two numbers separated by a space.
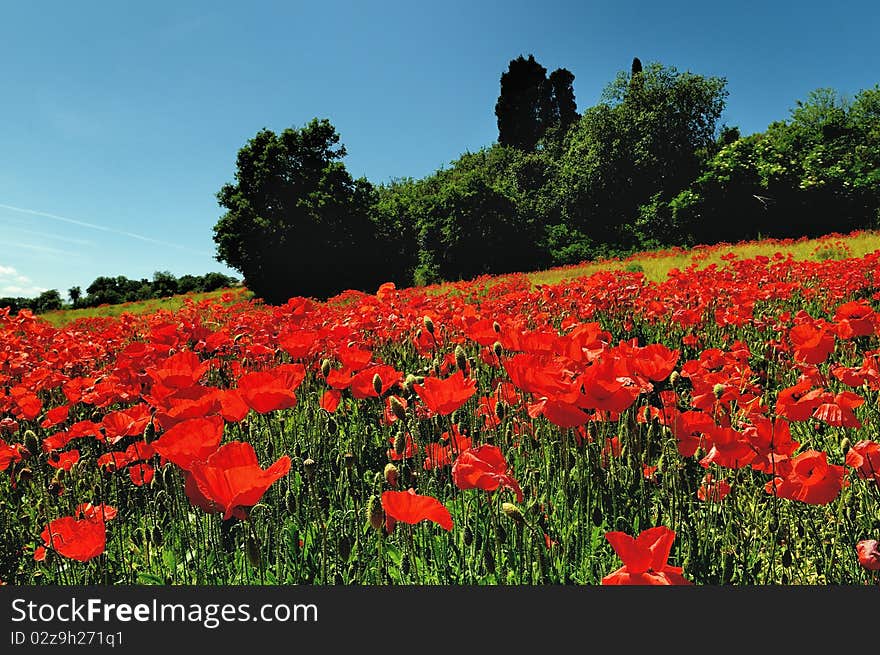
pixel 656 265
pixel 172 303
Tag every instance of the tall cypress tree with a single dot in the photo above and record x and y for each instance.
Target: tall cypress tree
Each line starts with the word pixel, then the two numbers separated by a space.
pixel 523 108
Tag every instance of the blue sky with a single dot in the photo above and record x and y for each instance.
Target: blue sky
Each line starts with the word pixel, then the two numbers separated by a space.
pixel 119 123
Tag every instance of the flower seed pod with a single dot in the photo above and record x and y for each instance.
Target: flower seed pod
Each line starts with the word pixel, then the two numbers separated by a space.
pixel 253 550
pixel 375 513
pixel 377 384
pixel 461 358
pixel 512 511
pixel 31 442
pixel 429 324
pixel 397 408
pixel 392 474
pixel 310 465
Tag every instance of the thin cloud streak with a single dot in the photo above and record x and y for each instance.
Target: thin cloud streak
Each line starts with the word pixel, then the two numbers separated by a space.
pixel 102 228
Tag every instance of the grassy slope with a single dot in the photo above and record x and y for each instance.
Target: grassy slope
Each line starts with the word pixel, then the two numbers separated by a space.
pixel 64 316
pixel 655 265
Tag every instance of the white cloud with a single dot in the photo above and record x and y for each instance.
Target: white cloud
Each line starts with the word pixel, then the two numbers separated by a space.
pixel 13 283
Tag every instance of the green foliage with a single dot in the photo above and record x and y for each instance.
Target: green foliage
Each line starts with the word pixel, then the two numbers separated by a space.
pixel 297 223
pixel 632 153
pixel 816 173
pixel 531 104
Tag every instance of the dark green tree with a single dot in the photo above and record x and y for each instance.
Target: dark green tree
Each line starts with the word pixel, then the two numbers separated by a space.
pixel 523 109
pixel 562 104
pixel 296 222
pixel 74 293
pixel 164 284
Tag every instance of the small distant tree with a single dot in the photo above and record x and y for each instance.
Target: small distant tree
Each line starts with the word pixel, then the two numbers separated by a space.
pixel 164 284
pixel 47 301
pixel 74 293
pixel 296 222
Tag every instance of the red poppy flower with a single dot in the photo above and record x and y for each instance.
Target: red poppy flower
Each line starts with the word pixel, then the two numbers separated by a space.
pixel 869 554
pixel 63 460
pixel 864 457
pixel 231 479
pixel 712 490
pixel 181 370
pixel 445 396
pixel 99 512
pixel 837 410
pixel 727 448
pixel 808 478
pixel 409 507
pixel 80 540
pixel 141 474
pixel 190 441
pixel 55 416
pixel 771 441
pixel 812 342
pixel 644 559
pixel 798 403
pixel 855 319
pixel 362 383
pixel 484 468
pixel 9 454
pixel 268 391
pixel 126 423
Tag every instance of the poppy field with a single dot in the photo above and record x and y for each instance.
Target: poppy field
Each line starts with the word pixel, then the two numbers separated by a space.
pixel 716 427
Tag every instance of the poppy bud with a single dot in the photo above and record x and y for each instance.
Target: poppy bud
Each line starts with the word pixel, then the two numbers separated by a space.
pixel 460 358
pixel 468 536
pixel 391 475
pixel 377 384
pixel 718 390
pixel 429 324
pixel 149 431
pixel 156 535
pixel 375 513
pixel 500 410
pixel 25 475
pixel 498 349
pixel 344 548
pixel 845 445
pixel 786 558
pixel 60 474
pixel 405 564
pixel 325 367
pixel 397 408
pixel 400 442
pixel 309 465
pixel 408 383
pixel 31 442
pixel 496 326
pixel 253 550
pixel 168 476
pixel 348 458
pixel 332 428
pixel 512 511
pixel 673 377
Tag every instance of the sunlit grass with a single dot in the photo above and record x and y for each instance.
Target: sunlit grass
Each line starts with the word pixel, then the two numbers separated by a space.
pixel 172 303
pixel 656 265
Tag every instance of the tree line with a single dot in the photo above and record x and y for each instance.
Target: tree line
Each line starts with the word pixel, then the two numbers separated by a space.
pixel 648 166
pixel 112 290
